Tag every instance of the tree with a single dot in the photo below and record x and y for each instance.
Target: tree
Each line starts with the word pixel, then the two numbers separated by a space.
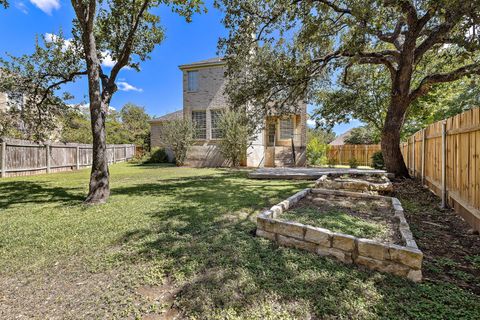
pixel 135 122
pixel 363 135
pixel 178 136
pixel 236 133
pixel 4 3
pixel 298 44
pixel 125 31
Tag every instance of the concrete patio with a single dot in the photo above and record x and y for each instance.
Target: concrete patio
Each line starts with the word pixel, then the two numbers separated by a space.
pixel 307 173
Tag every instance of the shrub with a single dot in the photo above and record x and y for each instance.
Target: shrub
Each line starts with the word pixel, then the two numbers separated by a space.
pixel 353 163
pixel 157 155
pixel 236 132
pixel 317 152
pixel 178 136
pixel 332 162
pixel 377 160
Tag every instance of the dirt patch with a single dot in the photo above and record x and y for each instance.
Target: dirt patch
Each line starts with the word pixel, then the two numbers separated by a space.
pixel 451 254
pixel 366 218
pixel 165 295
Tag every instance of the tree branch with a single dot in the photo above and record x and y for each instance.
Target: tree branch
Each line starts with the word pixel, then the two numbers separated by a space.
pixel 427 82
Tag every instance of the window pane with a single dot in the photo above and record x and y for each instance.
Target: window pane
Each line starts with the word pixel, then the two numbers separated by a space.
pixel 286 128
pixel 216 133
pixel 271 133
pixel 199 119
pixel 192 77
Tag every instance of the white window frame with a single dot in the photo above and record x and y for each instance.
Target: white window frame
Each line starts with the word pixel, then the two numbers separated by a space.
pixel 287 124
pixel 192 81
pixel 200 124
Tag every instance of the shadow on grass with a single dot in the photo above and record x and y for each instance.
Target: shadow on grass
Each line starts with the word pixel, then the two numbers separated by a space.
pixel 203 240
pixel 23 192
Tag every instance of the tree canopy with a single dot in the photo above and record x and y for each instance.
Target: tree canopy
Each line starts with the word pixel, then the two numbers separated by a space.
pixel 282 51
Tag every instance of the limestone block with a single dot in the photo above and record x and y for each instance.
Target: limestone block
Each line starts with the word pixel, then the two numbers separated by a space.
pixel 372 249
pixel 290 229
pixel 344 242
pixel 295 243
pixel 415 275
pixel 265 234
pixel 319 236
pixel 345 257
pixel 266 224
pixel 410 257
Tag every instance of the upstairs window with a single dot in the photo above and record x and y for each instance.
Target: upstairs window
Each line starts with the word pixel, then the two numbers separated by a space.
pixel 192 79
pixel 286 128
pixel 199 119
pixel 215 119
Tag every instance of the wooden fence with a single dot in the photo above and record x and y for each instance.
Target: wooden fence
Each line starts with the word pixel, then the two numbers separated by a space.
pixel 446 157
pixel 342 154
pixel 23 158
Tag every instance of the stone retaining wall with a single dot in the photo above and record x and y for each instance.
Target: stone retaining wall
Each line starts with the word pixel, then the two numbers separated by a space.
pixel 354 184
pixel 405 261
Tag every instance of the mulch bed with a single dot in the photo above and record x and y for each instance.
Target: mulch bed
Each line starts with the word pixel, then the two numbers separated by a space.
pixel 451 252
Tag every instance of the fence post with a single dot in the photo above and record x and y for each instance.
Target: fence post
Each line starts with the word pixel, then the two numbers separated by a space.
pixel 444 164
pixel 423 157
pixel 413 156
pixel 78 157
pixel 114 159
pixel 48 157
pixel 125 153
pixel 4 159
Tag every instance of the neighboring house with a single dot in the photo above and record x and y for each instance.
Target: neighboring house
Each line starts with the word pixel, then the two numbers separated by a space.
pixel 340 140
pixel 279 142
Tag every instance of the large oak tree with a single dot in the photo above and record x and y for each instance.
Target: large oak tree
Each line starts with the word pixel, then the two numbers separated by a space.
pixel 280 51
pixel 122 31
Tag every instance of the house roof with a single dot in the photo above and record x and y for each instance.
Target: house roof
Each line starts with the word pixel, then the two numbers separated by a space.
pixel 203 63
pixel 169 117
pixel 340 140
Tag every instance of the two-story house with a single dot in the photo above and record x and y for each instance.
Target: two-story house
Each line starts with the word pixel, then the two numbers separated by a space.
pixel 280 142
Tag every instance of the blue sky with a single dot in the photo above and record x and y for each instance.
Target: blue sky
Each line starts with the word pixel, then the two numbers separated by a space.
pixel 157 86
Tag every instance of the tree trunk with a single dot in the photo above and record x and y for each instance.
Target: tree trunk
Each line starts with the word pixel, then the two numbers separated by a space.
pixel 99 188
pixel 390 139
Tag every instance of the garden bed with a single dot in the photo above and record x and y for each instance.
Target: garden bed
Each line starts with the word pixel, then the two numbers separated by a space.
pixel 374 183
pixel 367 230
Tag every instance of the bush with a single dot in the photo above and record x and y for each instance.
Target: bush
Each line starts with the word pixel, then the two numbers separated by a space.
pixel 353 163
pixel 178 136
pixel 236 132
pixel 157 155
pixel 317 152
pixel 332 162
pixel 377 160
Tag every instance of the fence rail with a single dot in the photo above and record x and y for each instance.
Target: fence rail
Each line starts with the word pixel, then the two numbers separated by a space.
pixel 446 157
pixel 23 158
pixel 342 154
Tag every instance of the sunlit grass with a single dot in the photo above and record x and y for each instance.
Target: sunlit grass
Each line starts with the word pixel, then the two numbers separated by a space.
pixel 194 227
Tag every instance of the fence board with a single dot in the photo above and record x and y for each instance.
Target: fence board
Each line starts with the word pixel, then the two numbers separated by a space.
pixel 342 154
pixel 23 158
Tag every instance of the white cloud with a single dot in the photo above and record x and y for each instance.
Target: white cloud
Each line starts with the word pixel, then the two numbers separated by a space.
pixel 21 6
pixel 125 86
pixel 311 123
pixel 47 5
pixel 50 37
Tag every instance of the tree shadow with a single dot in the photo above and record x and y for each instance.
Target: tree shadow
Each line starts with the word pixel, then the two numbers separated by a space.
pixel 23 192
pixel 203 239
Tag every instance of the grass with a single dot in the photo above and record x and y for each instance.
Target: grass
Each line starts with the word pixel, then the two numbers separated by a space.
pixel 189 229
pixel 337 221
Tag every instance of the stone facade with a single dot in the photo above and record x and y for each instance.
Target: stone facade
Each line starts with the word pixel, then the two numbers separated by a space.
pixel 382 185
pixel 405 261
pixel 209 96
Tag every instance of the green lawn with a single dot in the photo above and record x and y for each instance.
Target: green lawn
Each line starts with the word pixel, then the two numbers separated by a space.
pixel 181 239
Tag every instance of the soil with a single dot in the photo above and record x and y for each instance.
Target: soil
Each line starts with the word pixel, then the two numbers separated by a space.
pixel 372 211
pixel 451 253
